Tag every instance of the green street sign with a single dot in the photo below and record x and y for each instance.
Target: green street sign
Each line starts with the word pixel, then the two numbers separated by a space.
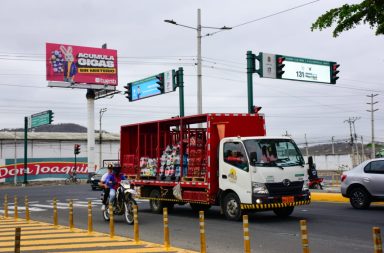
pixel 308 70
pixel 41 118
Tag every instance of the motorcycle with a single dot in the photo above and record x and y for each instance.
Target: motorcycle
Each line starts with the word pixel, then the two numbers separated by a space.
pixel 315 183
pixel 123 203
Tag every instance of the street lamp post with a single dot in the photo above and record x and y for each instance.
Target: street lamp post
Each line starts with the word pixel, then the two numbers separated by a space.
pixel 199 67
pixel 101 112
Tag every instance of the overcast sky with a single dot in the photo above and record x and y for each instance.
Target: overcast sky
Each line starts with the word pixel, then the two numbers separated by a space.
pixel 146 46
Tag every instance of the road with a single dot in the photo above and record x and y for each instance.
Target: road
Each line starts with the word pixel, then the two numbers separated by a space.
pixel 332 227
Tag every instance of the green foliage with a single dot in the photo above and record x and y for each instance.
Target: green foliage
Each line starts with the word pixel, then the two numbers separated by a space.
pixel 348 17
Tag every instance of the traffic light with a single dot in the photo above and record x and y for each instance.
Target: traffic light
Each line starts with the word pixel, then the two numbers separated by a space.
pixel 50 114
pixel 179 79
pixel 256 109
pixel 160 82
pixel 128 92
pixel 280 66
pixel 77 149
pixel 334 72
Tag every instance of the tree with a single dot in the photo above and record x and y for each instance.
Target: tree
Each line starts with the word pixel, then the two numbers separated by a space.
pixel 349 16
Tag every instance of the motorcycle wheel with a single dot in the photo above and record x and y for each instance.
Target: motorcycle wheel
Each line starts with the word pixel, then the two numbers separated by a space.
pixel 77 181
pixel 128 211
pixel 106 214
pixel 67 181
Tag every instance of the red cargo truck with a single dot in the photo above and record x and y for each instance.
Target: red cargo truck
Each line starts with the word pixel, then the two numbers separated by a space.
pixel 214 159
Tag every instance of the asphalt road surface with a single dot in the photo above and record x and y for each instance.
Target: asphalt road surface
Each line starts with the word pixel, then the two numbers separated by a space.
pixel 332 227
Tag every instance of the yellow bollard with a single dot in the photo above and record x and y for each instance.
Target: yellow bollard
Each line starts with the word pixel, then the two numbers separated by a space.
pixel 304 236
pixel 111 222
pixel 26 209
pixel 71 215
pixel 6 206
pixel 377 244
pixel 135 224
pixel 90 223
pixel 166 229
pixel 17 239
pixel 16 214
pixel 55 223
pixel 247 243
pixel 203 246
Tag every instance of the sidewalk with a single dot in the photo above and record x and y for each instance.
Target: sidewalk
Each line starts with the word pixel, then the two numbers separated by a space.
pixel 40 236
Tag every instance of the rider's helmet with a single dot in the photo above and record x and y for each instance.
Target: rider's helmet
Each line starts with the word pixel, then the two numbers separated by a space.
pixel 116 170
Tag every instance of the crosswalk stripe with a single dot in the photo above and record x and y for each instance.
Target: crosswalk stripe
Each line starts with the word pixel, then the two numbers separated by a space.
pixel 58 241
pixel 137 250
pixel 40 236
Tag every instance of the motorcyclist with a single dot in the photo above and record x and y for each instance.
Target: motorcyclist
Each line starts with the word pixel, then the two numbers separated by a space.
pixel 312 172
pixel 112 181
pixel 103 184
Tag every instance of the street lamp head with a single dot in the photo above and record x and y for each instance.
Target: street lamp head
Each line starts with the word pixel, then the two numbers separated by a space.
pixel 171 21
pixel 226 28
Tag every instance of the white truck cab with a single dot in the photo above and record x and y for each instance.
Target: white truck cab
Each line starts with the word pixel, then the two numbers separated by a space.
pixel 261 173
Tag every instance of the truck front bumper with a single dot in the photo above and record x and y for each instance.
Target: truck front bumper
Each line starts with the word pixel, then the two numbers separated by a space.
pixel 265 202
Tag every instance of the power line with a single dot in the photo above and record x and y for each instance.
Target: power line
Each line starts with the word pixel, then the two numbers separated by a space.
pixel 265 17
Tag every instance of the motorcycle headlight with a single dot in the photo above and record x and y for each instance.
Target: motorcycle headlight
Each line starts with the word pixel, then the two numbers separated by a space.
pixel 305 185
pixel 92 178
pixel 259 188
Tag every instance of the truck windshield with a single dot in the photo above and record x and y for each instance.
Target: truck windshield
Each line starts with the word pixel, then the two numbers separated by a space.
pixel 273 152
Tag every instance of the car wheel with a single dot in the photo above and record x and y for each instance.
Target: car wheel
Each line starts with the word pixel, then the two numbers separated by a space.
pixel 359 198
pixel 231 207
pixel 283 212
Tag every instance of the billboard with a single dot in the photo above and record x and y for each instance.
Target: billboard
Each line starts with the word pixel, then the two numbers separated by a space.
pixel 43 169
pixel 145 88
pixel 75 64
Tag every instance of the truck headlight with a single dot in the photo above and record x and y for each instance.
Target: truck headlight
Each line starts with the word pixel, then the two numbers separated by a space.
pixel 305 185
pixel 259 188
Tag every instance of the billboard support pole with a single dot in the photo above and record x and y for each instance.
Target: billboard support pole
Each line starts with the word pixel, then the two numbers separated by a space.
pixel 91 130
pixel 25 150
pixel 180 84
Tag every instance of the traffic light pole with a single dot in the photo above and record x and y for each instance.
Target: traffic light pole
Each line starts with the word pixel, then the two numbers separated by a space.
pixel 25 150
pixel 250 71
pixel 180 83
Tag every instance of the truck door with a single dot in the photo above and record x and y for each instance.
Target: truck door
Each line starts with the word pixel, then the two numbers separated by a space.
pixel 234 170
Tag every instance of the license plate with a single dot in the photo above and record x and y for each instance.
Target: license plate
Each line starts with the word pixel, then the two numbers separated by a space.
pixel 288 199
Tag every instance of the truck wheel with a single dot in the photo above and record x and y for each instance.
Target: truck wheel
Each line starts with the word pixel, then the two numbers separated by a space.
pixel 156 204
pixel 284 212
pixel 200 207
pixel 231 207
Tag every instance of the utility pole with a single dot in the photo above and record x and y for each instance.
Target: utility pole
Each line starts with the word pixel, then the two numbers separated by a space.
pixel 373 152
pixel 199 60
pixel 199 72
pixel 362 149
pixel 349 121
pixel 306 144
pixel 333 145
pixel 355 136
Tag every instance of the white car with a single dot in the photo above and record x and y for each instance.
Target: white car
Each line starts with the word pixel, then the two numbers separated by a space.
pixel 364 183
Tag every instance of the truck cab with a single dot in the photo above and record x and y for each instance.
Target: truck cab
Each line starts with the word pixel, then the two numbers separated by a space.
pixel 261 173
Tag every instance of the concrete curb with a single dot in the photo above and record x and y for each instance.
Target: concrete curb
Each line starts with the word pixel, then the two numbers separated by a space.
pixel 328 197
